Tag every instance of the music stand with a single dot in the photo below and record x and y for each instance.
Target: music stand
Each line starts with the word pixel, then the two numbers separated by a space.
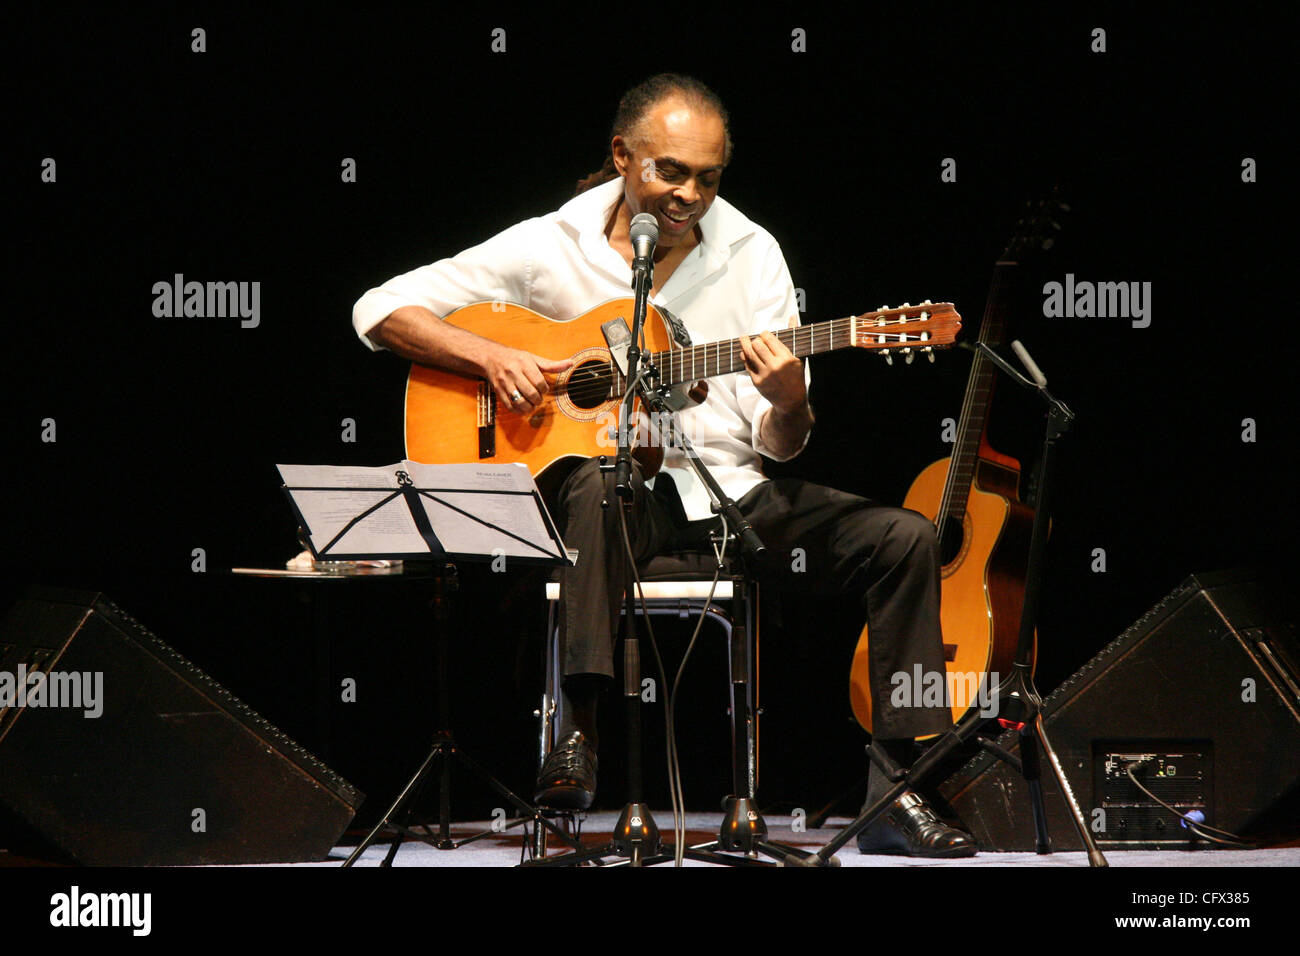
pixel 443 514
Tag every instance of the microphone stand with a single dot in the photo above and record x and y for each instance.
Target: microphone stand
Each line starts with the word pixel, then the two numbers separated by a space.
pixel 636 837
pixel 743 828
pixel 1018 703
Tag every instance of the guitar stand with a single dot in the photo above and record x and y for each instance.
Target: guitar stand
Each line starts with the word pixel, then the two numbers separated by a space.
pixel 1020 708
pixel 1019 705
pixel 445 748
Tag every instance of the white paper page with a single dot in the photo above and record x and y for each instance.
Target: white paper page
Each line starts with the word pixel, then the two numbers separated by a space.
pixel 340 476
pixel 464 535
pixel 516 513
pixel 388 530
pixel 478 477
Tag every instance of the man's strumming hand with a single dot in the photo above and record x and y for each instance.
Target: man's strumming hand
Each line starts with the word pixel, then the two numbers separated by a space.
pixel 511 370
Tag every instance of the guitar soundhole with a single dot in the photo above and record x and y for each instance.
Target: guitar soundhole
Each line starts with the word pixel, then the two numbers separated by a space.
pixel 588 385
pixel 951 541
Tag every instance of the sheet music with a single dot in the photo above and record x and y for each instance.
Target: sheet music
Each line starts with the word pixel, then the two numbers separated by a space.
pixel 468 495
pixel 341 476
pixel 391 528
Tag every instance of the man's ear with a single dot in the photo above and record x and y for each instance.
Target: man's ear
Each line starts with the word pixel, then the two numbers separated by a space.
pixel 622 154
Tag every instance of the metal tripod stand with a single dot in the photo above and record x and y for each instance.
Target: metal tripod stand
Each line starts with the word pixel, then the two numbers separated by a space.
pixel 445 749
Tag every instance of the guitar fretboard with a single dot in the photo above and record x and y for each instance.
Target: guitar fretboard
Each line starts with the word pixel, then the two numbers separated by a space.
pixel 693 363
pixel 723 358
pixel 974 413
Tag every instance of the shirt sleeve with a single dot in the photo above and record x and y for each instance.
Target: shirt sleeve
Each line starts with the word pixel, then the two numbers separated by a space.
pixel 774 305
pixel 501 268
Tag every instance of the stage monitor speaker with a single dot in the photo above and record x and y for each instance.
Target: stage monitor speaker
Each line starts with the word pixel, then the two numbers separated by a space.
pixel 1204 688
pixel 123 753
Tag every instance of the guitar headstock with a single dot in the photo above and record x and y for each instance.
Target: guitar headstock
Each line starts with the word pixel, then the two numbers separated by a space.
pixel 1037 227
pixel 907 330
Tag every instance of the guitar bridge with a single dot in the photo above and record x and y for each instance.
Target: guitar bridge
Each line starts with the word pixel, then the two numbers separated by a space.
pixel 487 421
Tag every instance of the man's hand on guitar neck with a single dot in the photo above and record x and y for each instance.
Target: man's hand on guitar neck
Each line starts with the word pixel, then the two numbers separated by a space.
pixel 418 335
pixel 779 378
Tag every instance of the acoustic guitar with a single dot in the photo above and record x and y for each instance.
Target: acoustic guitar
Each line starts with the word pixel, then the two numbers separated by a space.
pixel 983 527
pixel 456 418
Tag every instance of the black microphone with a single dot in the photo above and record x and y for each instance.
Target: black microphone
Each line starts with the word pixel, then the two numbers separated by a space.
pixel 645 235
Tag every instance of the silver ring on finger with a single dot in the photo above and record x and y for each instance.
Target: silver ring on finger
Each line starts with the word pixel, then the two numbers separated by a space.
pixel 515 397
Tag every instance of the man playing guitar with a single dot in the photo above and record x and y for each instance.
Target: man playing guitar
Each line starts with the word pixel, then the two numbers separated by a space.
pixel 725 277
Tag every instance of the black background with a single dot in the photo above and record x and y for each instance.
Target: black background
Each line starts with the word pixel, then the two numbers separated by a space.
pixel 225 166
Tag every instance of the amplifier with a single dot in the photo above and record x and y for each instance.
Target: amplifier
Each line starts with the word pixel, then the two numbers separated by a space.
pixel 119 751
pixel 1205 684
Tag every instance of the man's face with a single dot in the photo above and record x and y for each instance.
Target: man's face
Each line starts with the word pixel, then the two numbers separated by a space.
pixel 672 166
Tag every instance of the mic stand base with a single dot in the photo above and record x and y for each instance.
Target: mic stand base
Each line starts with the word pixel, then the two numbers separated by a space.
pixel 745 831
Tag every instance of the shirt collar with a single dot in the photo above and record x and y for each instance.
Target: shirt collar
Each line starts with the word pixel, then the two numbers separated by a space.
pixel 585 215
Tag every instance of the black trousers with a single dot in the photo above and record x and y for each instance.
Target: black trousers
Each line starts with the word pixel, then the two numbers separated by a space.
pixel 887 555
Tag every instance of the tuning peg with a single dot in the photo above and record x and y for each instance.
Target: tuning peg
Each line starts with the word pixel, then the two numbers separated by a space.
pixel 929 353
pixel 889 359
pixel 910 356
pixel 927 302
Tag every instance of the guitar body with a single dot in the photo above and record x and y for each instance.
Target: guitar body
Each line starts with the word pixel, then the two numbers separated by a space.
pixel 983 586
pixel 453 418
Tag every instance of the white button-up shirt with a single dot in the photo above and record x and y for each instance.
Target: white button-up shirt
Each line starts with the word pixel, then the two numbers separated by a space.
pixel 561 265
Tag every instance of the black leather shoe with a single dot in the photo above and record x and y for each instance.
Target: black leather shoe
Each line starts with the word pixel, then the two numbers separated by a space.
pixel 911 828
pixel 568 777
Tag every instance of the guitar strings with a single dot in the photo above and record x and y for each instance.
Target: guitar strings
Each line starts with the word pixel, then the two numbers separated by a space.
pixel 593 389
pixel 948 500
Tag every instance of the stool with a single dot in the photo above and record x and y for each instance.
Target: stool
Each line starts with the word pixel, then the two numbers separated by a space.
pixel 678 583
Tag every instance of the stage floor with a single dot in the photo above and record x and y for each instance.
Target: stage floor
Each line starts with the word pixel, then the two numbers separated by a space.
pixel 504 849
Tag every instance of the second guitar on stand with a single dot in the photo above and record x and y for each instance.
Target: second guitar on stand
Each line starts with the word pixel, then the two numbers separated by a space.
pixel 983 526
